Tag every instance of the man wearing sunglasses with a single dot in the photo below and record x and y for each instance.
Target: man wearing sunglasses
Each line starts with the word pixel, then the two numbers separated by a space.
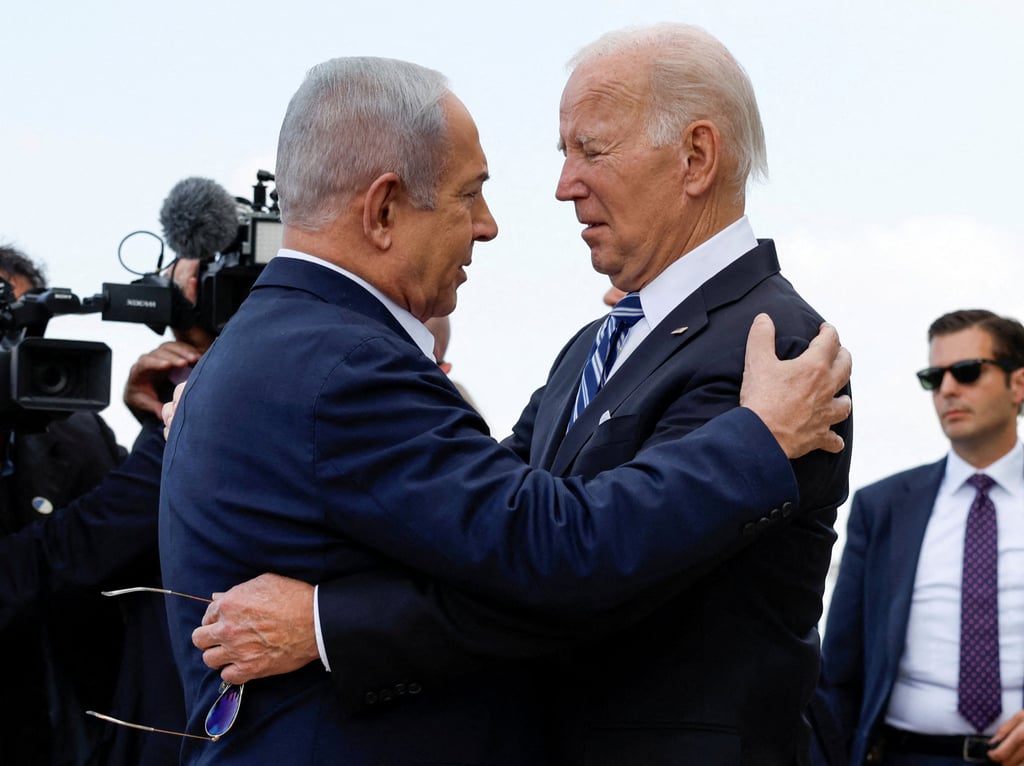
pixel 924 647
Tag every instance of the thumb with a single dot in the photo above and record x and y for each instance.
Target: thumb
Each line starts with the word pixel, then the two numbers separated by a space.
pixel 761 340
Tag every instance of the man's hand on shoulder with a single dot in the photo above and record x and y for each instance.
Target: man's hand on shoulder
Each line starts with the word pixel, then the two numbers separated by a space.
pixel 796 398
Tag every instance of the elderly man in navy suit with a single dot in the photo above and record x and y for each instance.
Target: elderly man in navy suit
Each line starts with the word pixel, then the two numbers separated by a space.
pixel 660 130
pixel 924 646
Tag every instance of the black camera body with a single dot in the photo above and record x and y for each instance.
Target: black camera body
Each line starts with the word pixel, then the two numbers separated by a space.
pixel 42 379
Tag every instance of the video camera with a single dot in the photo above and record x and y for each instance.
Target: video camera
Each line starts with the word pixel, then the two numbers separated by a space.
pixel 41 379
pixel 233 238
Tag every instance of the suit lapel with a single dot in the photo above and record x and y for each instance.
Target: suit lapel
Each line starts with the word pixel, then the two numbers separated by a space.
pixel 910 511
pixel 664 341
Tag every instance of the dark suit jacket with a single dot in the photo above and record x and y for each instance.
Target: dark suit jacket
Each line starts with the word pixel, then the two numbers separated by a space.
pixel 721 661
pixel 316 440
pixel 870 606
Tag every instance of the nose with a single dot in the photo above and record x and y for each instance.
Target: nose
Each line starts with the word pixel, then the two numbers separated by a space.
pixel 948 384
pixel 569 185
pixel 485 228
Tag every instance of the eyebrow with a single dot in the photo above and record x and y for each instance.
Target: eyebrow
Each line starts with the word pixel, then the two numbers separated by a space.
pixel 580 140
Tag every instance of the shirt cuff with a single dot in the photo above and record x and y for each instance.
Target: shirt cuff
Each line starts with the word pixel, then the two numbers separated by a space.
pixel 316 626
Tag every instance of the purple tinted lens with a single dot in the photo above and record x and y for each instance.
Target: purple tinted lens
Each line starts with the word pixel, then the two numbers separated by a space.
pixel 223 712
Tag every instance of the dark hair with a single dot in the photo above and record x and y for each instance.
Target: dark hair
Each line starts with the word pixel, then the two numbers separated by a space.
pixel 1007 334
pixel 15 263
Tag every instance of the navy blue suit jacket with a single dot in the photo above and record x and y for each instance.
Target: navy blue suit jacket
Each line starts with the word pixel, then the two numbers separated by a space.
pixel 870 606
pixel 716 674
pixel 317 441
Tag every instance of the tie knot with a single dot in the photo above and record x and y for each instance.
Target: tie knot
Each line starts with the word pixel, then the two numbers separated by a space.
pixel 628 310
pixel 981 482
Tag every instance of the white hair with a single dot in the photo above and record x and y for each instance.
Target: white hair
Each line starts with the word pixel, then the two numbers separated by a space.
pixel 352 120
pixel 692 77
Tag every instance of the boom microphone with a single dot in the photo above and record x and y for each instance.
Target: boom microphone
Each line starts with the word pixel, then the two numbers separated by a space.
pixel 200 218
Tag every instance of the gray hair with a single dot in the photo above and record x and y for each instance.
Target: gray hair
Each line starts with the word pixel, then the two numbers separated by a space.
pixel 352 120
pixel 692 77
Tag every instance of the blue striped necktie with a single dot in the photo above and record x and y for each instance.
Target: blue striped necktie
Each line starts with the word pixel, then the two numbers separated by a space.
pixel 607 344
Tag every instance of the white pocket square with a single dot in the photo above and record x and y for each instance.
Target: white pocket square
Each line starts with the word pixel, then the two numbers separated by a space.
pixel 604 418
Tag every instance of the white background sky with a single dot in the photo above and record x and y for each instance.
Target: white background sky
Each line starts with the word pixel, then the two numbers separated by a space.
pixel 894 133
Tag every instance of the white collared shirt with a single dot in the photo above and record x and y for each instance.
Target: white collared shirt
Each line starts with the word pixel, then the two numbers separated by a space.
pixel 684 276
pixel 924 698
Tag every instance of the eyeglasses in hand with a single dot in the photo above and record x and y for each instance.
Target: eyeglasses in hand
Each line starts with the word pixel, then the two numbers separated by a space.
pixel 222 713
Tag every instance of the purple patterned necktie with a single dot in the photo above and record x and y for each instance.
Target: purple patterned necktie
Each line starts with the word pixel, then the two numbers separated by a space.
pixel 980 693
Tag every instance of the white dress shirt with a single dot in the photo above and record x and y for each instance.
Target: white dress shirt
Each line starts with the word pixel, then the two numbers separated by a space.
pixel 682 277
pixel 924 698
pixel 417 331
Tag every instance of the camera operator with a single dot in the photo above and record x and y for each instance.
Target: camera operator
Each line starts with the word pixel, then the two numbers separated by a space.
pixel 98 532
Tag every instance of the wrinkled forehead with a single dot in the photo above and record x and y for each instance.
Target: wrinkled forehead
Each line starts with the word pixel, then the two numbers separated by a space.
pixel 622 79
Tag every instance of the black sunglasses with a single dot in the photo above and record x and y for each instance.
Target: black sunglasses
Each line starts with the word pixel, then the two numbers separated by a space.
pixel 965 371
pixel 222 713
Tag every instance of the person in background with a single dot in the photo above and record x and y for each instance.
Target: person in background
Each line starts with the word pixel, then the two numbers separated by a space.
pixel 58 655
pixel 101 654
pixel 924 644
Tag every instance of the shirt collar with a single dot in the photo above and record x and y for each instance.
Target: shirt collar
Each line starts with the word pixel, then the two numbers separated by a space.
pixel 418 331
pixel 687 273
pixel 1007 471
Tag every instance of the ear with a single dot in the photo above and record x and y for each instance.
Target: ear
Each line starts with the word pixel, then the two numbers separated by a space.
pixel 380 209
pixel 1017 386
pixel 701 151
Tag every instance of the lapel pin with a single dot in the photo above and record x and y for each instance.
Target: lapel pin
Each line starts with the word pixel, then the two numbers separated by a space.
pixel 680 330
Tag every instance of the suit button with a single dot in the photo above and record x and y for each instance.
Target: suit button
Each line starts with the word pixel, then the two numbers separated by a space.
pixel 749 529
pixel 385 695
pixel 763 524
pixel 788 508
pixel 415 688
pixel 371 698
pixel 400 689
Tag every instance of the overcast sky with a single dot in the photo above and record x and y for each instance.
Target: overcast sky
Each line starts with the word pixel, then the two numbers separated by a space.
pixel 894 142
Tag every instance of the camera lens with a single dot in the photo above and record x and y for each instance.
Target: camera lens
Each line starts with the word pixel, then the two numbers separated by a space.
pixel 51 379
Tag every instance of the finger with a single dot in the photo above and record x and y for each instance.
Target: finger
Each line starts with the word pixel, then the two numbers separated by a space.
pixel 761 339
pixel 840 408
pixel 202 639
pixel 216 658
pixel 833 443
pixel 212 613
pixel 827 339
pixel 234 674
pixel 843 366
